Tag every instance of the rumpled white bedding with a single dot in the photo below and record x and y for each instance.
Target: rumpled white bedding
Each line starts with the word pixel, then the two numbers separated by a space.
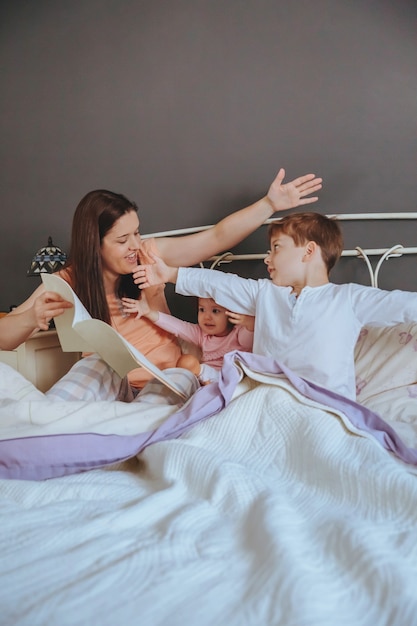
pixel 271 512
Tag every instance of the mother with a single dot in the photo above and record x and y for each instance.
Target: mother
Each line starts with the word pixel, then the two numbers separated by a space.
pixel 106 247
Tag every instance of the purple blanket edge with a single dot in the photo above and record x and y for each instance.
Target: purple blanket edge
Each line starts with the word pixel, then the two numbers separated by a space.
pixel 51 456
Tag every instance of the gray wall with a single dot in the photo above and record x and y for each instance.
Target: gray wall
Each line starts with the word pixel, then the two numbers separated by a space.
pixel 189 107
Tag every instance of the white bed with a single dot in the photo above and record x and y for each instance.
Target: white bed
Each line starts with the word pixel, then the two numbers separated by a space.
pixel 274 511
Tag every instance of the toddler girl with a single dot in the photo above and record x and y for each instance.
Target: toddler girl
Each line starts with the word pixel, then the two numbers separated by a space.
pixel 217 332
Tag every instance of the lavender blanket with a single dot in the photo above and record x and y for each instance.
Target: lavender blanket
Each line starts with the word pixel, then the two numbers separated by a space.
pixel 46 456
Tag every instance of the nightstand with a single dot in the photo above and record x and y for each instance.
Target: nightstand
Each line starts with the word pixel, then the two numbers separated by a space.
pixel 40 359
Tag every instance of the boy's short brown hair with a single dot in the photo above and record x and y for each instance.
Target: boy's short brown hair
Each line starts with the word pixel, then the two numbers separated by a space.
pixel 308 226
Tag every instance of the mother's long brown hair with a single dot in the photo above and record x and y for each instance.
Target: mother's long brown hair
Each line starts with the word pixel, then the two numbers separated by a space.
pixel 94 216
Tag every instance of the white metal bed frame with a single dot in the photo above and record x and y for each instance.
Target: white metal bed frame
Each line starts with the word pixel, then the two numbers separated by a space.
pixel 384 253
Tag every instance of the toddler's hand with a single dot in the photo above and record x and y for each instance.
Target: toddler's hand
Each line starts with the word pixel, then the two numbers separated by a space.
pixel 240 319
pixel 140 307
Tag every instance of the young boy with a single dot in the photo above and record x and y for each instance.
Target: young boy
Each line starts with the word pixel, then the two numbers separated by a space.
pixel 301 319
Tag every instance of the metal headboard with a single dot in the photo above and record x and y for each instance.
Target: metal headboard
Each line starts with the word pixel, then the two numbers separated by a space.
pixel 384 254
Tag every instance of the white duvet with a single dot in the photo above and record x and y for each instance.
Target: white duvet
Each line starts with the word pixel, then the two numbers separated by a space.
pixel 272 512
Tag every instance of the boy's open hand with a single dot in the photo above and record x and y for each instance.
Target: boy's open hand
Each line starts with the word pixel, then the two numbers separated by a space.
pixel 154 274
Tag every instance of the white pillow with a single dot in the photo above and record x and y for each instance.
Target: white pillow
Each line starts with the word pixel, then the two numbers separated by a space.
pixel 386 371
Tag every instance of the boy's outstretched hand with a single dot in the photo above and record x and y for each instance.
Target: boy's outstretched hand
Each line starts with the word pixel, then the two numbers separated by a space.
pixel 154 274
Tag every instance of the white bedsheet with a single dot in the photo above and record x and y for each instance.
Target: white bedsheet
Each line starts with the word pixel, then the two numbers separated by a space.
pixel 271 512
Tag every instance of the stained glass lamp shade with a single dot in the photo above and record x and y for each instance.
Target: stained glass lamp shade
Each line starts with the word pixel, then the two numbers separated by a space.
pixel 47 260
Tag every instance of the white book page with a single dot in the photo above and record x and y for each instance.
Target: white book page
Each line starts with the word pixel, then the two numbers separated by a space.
pixel 70 340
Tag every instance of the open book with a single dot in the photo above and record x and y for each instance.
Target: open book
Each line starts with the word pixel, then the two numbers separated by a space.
pixel 79 332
